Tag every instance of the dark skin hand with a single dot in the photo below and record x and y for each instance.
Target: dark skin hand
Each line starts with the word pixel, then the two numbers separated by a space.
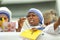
pixel 20 24
pixel 34 29
pixel 57 23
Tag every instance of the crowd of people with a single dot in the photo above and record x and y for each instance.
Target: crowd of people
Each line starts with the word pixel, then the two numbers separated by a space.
pixel 48 21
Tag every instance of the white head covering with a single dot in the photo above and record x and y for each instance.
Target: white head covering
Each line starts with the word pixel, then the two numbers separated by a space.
pixel 38 13
pixel 6 11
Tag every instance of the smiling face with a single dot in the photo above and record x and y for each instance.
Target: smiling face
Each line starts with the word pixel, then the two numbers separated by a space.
pixel 4 16
pixel 33 19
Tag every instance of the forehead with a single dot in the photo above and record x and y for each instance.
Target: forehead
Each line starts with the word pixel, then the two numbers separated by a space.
pixel 31 13
pixel 3 15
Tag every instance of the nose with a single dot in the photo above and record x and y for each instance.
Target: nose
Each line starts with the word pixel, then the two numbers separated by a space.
pixel 31 17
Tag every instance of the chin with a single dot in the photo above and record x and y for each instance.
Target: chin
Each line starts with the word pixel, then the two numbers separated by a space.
pixel 33 25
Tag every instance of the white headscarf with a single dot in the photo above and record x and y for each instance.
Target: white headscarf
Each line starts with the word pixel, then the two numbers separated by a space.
pixel 38 13
pixel 6 11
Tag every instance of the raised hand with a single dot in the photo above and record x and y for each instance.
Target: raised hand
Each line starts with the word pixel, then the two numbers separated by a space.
pixel 57 23
pixel 20 24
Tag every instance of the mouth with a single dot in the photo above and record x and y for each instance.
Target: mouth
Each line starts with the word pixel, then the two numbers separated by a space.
pixel 32 21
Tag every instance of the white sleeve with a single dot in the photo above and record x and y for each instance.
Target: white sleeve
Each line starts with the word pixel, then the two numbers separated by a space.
pixel 49 29
pixel 25 26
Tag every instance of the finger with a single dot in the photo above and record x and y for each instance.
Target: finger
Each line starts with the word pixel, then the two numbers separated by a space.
pixel 22 19
pixel 34 29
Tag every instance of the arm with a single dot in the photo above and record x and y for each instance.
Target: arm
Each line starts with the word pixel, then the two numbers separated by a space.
pixel 20 24
pixel 56 24
pixel 52 27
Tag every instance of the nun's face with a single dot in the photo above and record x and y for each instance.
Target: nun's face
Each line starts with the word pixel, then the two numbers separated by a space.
pixel 4 16
pixel 33 19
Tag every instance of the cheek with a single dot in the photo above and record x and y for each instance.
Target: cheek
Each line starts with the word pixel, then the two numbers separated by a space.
pixel 36 19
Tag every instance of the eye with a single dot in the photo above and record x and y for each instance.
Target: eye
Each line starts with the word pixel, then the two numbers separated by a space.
pixel 28 16
pixel 5 18
pixel 34 15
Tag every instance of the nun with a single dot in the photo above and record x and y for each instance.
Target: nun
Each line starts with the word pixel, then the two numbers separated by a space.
pixel 53 28
pixel 6 14
pixel 34 20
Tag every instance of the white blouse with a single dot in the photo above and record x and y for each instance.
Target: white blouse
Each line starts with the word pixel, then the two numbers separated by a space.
pixel 50 29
